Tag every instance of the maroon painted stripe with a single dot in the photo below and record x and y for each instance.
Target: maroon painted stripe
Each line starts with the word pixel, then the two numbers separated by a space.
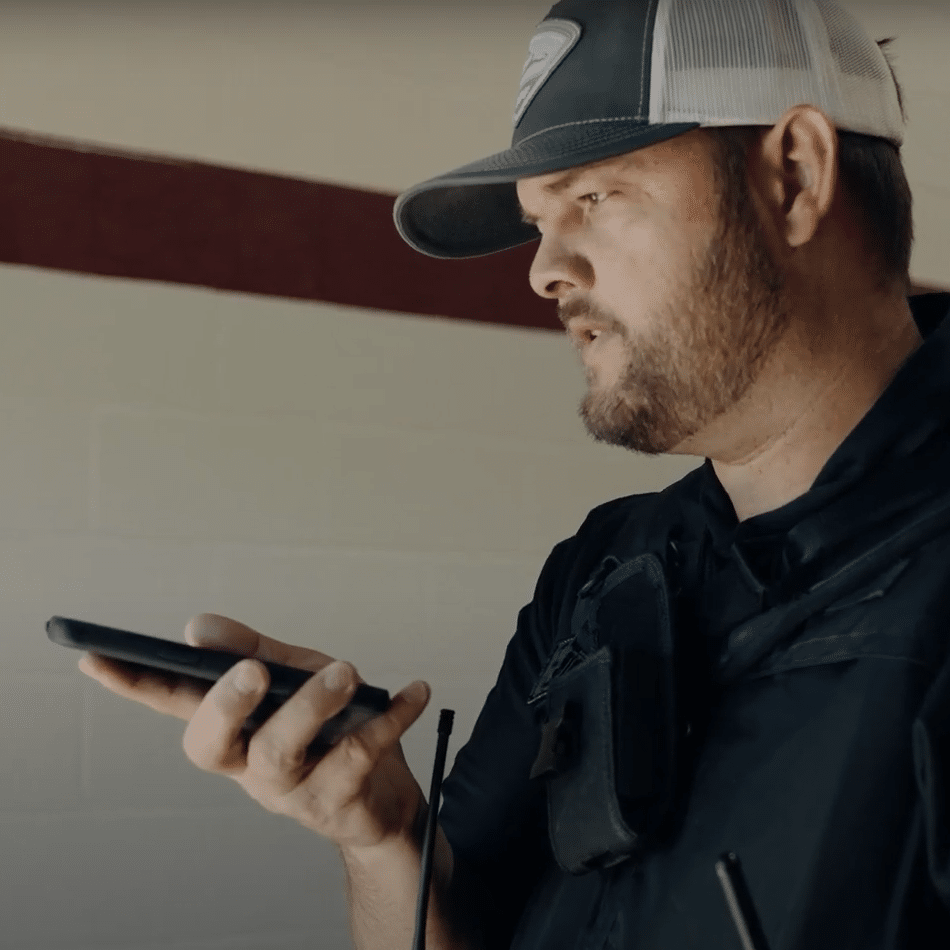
pixel 93 209
pixel 96 210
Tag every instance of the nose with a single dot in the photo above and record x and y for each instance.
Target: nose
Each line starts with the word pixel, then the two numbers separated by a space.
pixel 556 271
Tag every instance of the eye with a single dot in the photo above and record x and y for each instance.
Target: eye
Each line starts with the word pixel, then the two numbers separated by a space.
pixel 594 198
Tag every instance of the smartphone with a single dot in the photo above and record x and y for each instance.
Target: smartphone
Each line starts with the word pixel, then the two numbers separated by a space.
pixel 209 665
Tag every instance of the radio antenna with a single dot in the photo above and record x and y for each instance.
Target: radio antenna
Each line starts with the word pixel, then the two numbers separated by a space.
pixel 446 717
pixel 736 891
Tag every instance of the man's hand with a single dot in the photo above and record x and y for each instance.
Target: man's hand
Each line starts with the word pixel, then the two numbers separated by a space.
pixel 361 794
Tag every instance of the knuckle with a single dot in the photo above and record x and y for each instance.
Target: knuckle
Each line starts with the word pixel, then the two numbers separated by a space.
pixel 206 741
pixel 276 805
pixel 199 751
pixel 271 754
pixel 384 730
pixel 358 752
pixel 317 812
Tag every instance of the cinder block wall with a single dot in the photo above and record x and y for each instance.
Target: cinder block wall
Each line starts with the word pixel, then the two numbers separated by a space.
pixel 382 487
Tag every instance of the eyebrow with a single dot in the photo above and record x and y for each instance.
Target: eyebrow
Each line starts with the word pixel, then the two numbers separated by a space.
pixel 555 188
pixel 562 184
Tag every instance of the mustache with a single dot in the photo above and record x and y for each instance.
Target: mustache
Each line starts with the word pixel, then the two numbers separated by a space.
pixel 579 307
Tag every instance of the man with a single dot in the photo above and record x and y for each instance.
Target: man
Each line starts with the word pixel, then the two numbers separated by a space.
pixel 774 678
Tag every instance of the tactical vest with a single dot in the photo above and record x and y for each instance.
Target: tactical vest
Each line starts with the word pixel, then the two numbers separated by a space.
pixel 622 717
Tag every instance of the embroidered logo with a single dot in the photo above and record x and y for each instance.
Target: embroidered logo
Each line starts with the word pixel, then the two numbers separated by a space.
pixel 553 40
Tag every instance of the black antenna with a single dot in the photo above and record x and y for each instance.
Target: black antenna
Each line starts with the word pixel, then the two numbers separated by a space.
pixel 729 871
pixel 446 716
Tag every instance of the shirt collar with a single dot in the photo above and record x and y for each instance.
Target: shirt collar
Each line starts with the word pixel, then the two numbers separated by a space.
pixel 914 406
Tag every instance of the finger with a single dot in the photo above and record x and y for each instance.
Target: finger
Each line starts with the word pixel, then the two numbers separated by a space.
pixel 342 778
pixel 213 738
pixel 166 693
pixel 364 747
pixel 277 752
pixel 215 632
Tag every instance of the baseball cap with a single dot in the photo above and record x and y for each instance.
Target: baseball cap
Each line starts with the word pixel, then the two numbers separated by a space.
pixel 605 77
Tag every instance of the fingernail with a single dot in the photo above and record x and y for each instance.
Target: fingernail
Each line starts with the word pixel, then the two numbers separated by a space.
pixel 246 680
pixel 418 691
pixel 337 675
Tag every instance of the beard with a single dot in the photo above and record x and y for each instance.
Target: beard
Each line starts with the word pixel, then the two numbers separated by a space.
pixel 707 345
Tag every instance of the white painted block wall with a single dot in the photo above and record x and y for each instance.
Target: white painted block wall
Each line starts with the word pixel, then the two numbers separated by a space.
pixel 382 487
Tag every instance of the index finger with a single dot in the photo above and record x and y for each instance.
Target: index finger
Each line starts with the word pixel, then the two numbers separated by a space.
pixel 167 693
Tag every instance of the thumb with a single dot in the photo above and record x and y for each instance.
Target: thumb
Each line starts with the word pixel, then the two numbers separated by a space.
pixel 213 631
pixel 416 696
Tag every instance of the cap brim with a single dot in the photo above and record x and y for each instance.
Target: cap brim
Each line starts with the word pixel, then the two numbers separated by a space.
pixel 474 210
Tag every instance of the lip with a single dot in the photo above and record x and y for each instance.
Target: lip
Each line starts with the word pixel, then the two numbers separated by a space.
pixel 582 331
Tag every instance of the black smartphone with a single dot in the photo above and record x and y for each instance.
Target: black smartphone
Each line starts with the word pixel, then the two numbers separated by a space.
pixel 209 665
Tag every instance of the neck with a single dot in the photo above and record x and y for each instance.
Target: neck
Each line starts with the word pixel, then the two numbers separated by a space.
pixel 818 387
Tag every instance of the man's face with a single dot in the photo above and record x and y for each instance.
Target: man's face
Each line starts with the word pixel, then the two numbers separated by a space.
pixel 669 291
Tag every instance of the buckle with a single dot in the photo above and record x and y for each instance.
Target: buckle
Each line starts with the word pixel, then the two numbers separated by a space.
pixel 560 743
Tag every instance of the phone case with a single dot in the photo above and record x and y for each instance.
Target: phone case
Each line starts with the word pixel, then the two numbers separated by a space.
pixel 211 665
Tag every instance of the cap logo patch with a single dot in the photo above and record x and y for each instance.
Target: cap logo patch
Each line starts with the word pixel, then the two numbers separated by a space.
pixel 553 40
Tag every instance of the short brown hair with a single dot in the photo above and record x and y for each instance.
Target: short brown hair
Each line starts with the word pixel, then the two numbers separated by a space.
pixel 872 174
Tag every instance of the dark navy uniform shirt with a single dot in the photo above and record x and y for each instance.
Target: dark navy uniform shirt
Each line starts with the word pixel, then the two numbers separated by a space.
pixel 808 773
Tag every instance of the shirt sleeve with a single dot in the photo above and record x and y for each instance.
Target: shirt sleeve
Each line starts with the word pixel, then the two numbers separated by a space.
pixel 493 814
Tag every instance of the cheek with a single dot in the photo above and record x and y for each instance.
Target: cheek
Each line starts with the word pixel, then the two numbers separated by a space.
pixel 687 210
pixel 655 253
pixel 697 207
pixel 688 191
pixel 628 243
pixel 632 274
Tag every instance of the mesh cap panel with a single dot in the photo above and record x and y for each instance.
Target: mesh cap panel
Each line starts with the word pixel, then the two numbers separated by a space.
pixel 746 62
pixel 859 60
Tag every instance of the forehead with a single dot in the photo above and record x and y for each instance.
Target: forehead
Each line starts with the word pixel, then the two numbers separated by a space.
pixel 688 151
pixel 556 182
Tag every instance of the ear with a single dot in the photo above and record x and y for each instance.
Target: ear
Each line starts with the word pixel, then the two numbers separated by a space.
pixel 799 169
